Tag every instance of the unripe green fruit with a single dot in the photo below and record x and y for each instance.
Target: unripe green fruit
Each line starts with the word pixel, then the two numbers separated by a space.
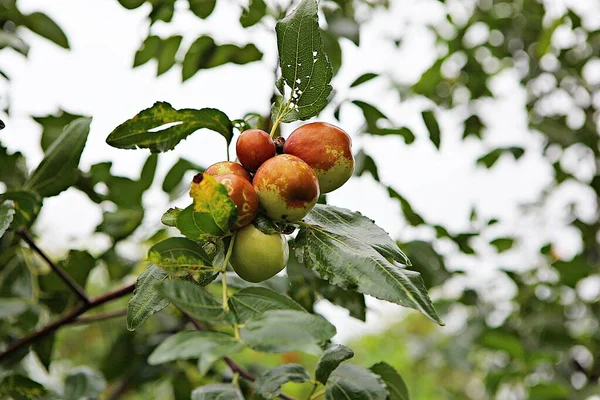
pixel 228 167
pixel 287 188
pixel 327 149
pixel 256 256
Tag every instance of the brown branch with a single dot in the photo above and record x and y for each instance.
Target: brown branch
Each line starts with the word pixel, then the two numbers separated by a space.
pixel 100 317
pixel 66 319
pixel 235 368
pixel 70 282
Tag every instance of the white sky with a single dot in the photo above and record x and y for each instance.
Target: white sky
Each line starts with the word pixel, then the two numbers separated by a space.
pixel 95 78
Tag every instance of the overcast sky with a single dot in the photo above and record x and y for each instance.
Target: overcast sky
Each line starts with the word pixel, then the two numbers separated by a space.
pixel 95 78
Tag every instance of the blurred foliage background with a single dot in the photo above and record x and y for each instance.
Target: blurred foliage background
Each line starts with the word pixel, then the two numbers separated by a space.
pixel 539 340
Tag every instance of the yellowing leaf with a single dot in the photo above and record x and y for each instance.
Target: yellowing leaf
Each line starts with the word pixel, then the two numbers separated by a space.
pixel 211 198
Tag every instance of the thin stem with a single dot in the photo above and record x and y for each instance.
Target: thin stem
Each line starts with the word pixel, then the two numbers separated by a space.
pixel 313 390
pixel 66 319
pixel 317 395
pixel 224 274
pixel 100 317
pixel 70 282
pixel 235 368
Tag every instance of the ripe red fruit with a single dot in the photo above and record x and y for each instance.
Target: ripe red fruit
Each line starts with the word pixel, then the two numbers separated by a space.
pixel 327 149
pixel 253 148
pixel 287 188
pixel 243 195
pixel 228 167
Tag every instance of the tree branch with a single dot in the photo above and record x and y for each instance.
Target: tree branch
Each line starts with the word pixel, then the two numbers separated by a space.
pixel 100 317
pixel 70 282
pixel 235 368
pixel 66 319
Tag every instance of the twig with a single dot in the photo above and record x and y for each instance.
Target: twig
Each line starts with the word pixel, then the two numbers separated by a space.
pixel 235 368
pixel 74 286
pixel 66 319
pixel 120 389
pixel 100 317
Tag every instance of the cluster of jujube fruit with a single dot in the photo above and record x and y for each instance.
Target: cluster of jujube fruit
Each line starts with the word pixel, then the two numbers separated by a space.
pixel 284 178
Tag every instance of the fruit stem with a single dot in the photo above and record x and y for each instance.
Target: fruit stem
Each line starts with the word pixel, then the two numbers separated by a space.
pixel 317 395
pixel 224 273
pixel 236 331
pixel 280 116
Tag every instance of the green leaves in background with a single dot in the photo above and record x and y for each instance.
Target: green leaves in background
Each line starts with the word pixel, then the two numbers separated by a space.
pixel 269 383
pixel 207 347
pixel 14 172
pixel 281 331
pixel 372 117
pixel 161 127
pixel 432 127
pixel 304 65
pixel 350 251
pixel 255 11
pixel 58 170
pixel 146 300
pixel 84 383
pixel 26 204
pixel 250 303
pixel 364 78
pixel 217 391
pixel 204 53
pixel 202 8
pixel 173 183
pixel 53 126
pixel 19 387
pixel 330 360
pixel 489 159
pixel 353 382
pixel 44 26
pixel 194 300
pixel 164 50
pixel 7 214
pixel 393 381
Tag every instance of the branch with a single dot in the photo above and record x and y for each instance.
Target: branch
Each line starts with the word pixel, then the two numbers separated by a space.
pixel 70 282
pixel 66 319
pixel 101 316
pixel 235 368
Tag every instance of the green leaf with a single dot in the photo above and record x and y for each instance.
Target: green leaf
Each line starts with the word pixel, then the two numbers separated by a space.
pixel 270 227
pixel 269 383
pixel 427 262
pixel 206 346
pixel 409 213
pixel 7 214
pixel 353 382
pixel 146 300
pixel 84 382
pixel 572 271
pixel 202 8
pixel 330 360
pixel 18 387
pixel 14 172
pixel 161 127
pixel 164 50
pixel 353 301
pixel 194 300
pixel 197 226
pixel 282 331
pixel 162 10
pixel 372 117
pixel 169 218
pixel 121 223
pixel 53 126
pixel 498 340
pixel 304 65
pixel 2 125
pixel 433 127
pixel 490 158
pixel 549 391
pixel 503 244
pixel 173 184
pixel 365 163
pixel 131 4
pixel 58 170
pixel 473 126
pixel 27 206
pixel 364 78
pixel 350 251
pixel 217 391
pixel 180 253
pixel 12 307
pixel 256 10
pixel 204 53
pixel 395 384
pixel 44 26
pixel 250 303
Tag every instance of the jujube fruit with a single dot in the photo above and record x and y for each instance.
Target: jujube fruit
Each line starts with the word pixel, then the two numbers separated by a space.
pixel 327 149
pixel 256 256
pixel 243 195
pixel 287 188
pixel 253 148
pixel 227 167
